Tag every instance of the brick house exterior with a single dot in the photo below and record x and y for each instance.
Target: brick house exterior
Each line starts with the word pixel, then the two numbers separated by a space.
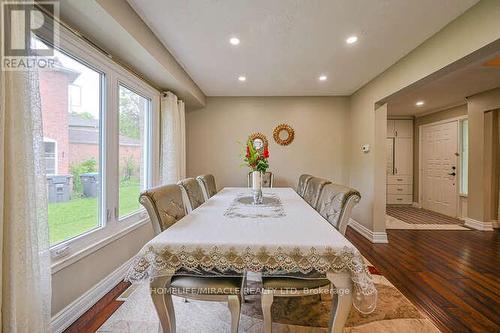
pixel 54 99
pixel 84 142
pixel 70 139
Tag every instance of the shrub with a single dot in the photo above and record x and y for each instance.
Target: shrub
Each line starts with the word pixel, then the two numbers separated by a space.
pixel 89 165
pixel 129 168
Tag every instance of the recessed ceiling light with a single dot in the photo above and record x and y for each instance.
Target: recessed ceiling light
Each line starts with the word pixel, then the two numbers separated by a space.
pixel 419 103
pixel 234 40
pixel 351 40
pixel 242 78
pixel 322 78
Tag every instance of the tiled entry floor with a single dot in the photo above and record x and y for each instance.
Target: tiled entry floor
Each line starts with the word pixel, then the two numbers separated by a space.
pixel 408 217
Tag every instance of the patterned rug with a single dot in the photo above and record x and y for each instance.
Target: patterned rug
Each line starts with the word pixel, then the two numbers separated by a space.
pixel 310 314
pixel 420 216
pixel 399 217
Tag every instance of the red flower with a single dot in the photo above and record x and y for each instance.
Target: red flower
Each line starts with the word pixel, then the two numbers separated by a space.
pixel 248 152
pixel 266 153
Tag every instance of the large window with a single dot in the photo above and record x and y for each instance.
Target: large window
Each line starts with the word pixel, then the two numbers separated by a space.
pixel 464 156
pixel 97 120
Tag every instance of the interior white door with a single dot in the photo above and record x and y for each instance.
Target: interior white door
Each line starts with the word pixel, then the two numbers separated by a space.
pixel 403 153
pixel 390 156
pixel 439 168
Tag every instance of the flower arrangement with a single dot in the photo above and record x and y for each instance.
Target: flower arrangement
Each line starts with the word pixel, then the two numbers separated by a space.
pixel 256 159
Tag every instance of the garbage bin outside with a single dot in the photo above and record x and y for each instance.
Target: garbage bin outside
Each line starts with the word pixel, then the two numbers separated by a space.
pixel 90 184
pixel 59 188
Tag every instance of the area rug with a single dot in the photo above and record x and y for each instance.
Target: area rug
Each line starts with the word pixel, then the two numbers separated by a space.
pixel 310 314
pixel 420 216
pixel 412 218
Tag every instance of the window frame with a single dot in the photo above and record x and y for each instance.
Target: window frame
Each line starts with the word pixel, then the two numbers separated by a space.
pixel 110 228
pixel 49 140
pixel 70 87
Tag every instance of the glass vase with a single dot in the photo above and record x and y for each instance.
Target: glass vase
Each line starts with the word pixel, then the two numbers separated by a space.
pixel 257 187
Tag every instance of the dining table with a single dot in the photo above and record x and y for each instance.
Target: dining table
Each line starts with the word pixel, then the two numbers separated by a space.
pixel 229 235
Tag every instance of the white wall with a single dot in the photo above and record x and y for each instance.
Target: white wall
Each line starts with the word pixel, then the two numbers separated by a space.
pixel 74 280
pixel 319 148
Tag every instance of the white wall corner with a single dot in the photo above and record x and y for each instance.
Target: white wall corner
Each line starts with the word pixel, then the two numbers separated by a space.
pixel 374 237
pixel 416 205
pixel 67 316
pixel 478 225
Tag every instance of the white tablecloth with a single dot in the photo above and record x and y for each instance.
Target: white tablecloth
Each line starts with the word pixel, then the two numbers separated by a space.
pixel 227 234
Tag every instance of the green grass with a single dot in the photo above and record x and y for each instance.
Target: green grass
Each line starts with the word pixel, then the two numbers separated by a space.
pixel 79 215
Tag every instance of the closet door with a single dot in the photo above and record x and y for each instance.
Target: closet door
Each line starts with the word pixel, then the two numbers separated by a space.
pixel 403 156
pixel 390 156
pixel 403 128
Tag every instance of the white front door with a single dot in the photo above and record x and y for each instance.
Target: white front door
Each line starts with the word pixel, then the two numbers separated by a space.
pixel 440 168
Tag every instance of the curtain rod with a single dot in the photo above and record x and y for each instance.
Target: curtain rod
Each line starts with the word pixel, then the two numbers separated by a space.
pixel 98 48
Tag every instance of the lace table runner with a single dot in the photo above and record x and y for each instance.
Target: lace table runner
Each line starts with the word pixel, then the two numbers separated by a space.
pixel 243 207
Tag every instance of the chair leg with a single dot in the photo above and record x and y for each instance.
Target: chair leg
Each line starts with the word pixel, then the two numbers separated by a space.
pixel 163 303
pixel 234 304
pixel 343 302
pixel 243 287
pixel 267 302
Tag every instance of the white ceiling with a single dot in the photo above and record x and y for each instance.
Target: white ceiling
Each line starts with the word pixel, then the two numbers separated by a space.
pixel 287 44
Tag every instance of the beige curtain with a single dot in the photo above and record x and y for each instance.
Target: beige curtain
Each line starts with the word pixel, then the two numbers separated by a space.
pixel 173 139
pixel 25 285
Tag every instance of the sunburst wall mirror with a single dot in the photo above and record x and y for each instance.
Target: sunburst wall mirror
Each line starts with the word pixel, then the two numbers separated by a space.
pixel 283 134
pixel 259 141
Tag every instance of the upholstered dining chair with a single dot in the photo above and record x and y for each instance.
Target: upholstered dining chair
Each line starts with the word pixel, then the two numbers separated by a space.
pixel 224 289
pixel 287 287
pixel 164 205
pixel 192 193
pixel 335 204
pixel 313 190
pixel 301 187
pixel 207 184
pixel 267 179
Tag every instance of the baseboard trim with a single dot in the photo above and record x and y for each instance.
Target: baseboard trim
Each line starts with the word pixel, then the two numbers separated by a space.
pixel 64 318
pixel 374 237
pixel 416 205
pixel 478 225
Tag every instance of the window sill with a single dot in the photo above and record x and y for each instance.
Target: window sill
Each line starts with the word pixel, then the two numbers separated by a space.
pixel 60 263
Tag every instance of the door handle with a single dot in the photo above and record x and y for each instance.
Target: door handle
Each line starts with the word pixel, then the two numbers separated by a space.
pixel 452 174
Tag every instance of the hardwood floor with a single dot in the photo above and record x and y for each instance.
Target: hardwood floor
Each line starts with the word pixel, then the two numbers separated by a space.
pixel 91 320
pixel 452 276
